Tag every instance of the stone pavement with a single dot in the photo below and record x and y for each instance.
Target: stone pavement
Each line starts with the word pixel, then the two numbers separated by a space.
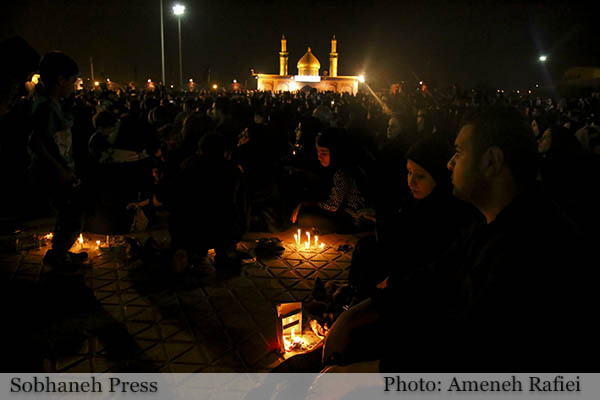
pixel 131 315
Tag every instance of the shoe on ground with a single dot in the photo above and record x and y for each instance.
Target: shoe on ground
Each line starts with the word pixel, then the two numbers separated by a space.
pixel 78 257
pixel 60 263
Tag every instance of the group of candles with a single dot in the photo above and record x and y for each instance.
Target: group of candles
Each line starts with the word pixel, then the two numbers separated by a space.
pixel 80 241
pixel 307 244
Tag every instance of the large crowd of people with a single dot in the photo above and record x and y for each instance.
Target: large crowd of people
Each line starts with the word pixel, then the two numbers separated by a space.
pixel 481 209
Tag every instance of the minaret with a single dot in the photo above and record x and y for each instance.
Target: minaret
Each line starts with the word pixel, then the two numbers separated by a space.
pixel 333 58
pixel 283 57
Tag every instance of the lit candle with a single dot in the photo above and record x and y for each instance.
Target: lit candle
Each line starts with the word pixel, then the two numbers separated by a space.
pixel 308 238
pixel 80 240
pixel 316 240
pixel 306 245
pixel 98 244
pixel 107 241
pixel 322 245
pixel 296 239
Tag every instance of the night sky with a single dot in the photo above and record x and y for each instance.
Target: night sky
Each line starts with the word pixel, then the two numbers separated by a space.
pixel 467 42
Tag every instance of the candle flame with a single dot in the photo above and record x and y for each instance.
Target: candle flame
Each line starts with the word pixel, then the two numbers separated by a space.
pixel 293 341
pixel 322 245
pixel 80 240
pixel 98 243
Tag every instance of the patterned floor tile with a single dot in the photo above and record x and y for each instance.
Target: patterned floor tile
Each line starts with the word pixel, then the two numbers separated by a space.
pixel 211 325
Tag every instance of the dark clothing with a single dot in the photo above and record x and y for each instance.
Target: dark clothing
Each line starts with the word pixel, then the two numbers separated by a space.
pixel 52 131
pixel 68 206
pixel 339 212
pixel 209 205
pixel 507 285
pixel 326 221
pixel 422 232
pixel 569 179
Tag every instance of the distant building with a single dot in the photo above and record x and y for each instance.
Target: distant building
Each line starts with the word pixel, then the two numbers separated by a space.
pixel 581 77
pixel 308 74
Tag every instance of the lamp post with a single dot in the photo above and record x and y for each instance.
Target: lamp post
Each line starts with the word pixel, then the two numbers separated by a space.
pixel 162 42
pixel 178 10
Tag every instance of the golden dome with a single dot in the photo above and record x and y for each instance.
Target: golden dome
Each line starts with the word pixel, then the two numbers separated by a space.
pixel 308 64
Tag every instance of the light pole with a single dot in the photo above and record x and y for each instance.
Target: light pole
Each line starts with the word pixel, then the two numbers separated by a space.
pixel 162 42
pixel 178 10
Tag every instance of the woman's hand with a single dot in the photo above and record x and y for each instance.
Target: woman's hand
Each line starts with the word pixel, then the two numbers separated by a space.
pixel 294 216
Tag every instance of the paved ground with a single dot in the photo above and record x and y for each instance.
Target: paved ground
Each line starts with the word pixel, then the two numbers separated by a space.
pixel 131 315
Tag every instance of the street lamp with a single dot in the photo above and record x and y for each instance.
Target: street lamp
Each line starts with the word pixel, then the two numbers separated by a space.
pixel 178 10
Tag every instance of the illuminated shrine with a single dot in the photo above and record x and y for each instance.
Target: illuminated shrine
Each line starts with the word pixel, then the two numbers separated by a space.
pixel 308 76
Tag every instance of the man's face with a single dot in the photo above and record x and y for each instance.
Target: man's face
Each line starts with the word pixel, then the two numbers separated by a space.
pixel 467 178
pixel 394 128
pixel 66 85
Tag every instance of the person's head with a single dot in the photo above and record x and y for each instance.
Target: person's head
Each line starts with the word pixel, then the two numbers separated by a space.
pixel 426 165
pixel 324 115
pixel 494 148
pixel 221 109
pixel 394 127
pixel 214 147
pixel 195 126
pixel 104 122
pixel 595 144
pixel 559 141
pixel 420 182
pixel 326 147
pixel 58 73
pixel 24 60
pixel 189 105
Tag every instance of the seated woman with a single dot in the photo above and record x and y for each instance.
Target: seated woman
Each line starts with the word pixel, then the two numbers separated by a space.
pixel 423 228
pixel 425 232
pixel 343 211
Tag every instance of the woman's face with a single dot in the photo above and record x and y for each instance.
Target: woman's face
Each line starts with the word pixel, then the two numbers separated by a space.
pixel 420 182
pixel 324 156
pixel 545 141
